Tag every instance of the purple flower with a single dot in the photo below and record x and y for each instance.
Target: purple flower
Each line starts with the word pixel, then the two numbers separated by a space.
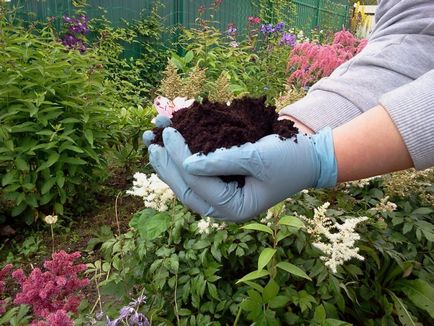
pixel 68 19
pixel 288 39
pixel 231 29
pixel 267 28
pixel 138 319
pixel 125 312
pixel 137 302
pixel 279 27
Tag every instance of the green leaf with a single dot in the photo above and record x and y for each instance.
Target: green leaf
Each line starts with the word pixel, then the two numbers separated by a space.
pixel 335 322
pixel 89 136
pixel 253 276
pixel 21 164
pixel 188 56
pixel 73 160
pixel 52 158
pixel 58 208
pixel 403 314
pixel 270 291
pixel 212 289
pixel 150 224
pixel 46 187
pixel 9 178
pixel 258 227
pixel 292 269
pixel 265 257
pixel 17 210
pixel 292 221
pixel 184 312
pixel 320 315
pixel 420 293
pixel 422 211
pixel 279 301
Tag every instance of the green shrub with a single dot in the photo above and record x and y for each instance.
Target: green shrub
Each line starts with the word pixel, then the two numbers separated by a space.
pixel 269 271
pixel 55 121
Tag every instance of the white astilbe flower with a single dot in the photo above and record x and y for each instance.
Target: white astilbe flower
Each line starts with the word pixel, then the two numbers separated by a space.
pixel 384 206
pixel 315 226
pixel 335 240
pixel 340 246
pixel 155 193
pixel 268 218
pixel 206 225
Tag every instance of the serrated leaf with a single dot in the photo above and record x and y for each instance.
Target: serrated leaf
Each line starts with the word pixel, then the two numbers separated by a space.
pixel 270 291
pixel 21 164
pixel 258 227
pixel 253 276
pixel 292 269
pixel 265 257
pixel 279 301
pixel 150 224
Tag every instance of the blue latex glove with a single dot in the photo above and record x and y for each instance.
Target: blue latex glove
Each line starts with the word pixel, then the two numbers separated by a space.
pixel 161 121
pixel 274 168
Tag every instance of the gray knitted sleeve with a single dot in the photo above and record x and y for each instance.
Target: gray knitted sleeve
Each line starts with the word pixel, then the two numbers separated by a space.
pixel 395 64
pixel 411 108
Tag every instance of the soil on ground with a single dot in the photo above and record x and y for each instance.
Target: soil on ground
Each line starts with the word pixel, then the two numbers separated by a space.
pixel 208 126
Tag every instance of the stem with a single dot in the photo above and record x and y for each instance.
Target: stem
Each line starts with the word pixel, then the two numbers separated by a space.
pixel 52 237
pixel 116 213
pixel 178 322
pixel 237 318
pixel 98 300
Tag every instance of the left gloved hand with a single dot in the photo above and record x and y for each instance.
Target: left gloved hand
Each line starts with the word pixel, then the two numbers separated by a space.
pixel 274 169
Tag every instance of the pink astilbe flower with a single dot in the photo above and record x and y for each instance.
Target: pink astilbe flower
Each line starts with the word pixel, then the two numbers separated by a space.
pixel 309 62
pixel 3 273
pixel 58 318
pixel 55 289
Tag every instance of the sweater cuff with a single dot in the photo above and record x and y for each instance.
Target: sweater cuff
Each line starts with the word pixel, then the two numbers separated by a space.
pixel 411 108
pixel 320 109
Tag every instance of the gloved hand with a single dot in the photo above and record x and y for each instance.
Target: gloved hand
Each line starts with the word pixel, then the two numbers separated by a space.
pixel 274 168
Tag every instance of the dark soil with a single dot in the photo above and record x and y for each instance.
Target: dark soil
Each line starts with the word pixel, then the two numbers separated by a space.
pixel 208 126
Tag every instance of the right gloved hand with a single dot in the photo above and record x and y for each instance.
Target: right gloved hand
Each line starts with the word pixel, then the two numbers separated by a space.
pixel 274 169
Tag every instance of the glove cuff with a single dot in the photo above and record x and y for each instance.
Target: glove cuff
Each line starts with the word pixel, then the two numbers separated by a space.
pixel 323 143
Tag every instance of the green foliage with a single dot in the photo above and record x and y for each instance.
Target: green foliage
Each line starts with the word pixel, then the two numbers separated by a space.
pixel 254 65
pixel 267 272
pixel 134 73
pixel 54 121
pixel 274 11
pixel 16 316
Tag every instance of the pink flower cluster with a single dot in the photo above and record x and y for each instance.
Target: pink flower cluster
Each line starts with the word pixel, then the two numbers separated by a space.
pixel 309 62
pixel 3 273
pixel 52 294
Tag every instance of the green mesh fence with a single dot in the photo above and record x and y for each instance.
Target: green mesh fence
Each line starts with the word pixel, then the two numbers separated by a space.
pixel 308 14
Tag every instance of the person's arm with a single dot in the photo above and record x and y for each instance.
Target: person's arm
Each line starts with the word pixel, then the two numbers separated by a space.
pixel 398 52
pixel 369 145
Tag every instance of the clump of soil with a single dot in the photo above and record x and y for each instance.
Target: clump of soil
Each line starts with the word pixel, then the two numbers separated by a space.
pixel 208 126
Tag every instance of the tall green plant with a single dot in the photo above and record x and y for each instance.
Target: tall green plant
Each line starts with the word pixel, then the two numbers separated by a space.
pixel 55 121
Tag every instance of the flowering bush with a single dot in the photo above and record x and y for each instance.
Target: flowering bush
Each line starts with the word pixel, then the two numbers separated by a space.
pixel 326 257
pixel 3 273
pixel 309 62
pixel 52 294
pixel 77 27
